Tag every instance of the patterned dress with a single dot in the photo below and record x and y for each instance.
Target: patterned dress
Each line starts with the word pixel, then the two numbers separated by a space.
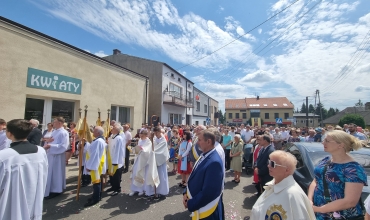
pixel 336 177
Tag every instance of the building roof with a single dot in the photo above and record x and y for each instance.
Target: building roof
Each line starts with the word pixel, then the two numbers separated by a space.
pixel 258 103
pixel 304 115
pixel 200 91
pixel 42 35
pixel 123 54
pixel 355 110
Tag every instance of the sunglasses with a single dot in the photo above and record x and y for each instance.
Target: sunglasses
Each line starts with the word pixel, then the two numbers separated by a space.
pixel 273 164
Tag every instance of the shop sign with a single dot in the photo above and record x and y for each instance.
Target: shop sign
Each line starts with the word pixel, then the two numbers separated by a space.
pixel 51 81
pixel 238 120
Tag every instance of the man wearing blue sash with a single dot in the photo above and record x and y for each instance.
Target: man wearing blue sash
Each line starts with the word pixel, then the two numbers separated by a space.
pixel 203 194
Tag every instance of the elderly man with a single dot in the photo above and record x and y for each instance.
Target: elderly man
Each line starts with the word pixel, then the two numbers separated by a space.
pixel 116 155
pixel 283 197
pixel 56 147
pixel 35 136
pixel 311 136
pixel 203 194
pixel 4 141
pixel 95 164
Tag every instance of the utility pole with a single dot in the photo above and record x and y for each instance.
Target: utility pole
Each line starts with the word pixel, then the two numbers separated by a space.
pixel 307 111
pixel 318 95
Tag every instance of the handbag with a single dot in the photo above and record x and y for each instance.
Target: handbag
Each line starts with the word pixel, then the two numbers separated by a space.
pixel 328 198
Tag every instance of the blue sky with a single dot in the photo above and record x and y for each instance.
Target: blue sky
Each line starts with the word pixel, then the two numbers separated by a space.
pixel 314 44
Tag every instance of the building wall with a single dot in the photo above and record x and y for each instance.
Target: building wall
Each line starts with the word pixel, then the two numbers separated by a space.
pixel 213 108
pixel 170 109
pixel 312 122
pixel 148 68
pixel 22 49
pixel 262 115
pixel 203 100
pixel 200 119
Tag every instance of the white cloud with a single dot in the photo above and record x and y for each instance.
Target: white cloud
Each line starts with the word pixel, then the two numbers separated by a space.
pixel 221 8
pixel 134 22
pixel 260 77
pixel 198 79
pixel 362 88
pixel 100 53
pixel 260 30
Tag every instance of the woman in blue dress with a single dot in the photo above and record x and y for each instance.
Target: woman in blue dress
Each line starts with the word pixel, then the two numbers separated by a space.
pixel 344 177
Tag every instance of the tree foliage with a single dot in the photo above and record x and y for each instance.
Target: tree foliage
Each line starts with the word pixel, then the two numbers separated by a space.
pixel 221 117
pixel 303 108
pixel 352 118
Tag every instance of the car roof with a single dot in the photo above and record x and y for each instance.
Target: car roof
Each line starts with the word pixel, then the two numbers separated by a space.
pixel 319 147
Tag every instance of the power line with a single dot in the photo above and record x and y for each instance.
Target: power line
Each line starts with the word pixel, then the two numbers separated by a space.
pixel 238 37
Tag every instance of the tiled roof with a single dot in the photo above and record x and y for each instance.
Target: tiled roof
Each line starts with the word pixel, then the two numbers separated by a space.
pixel 254 103
pixel 354 110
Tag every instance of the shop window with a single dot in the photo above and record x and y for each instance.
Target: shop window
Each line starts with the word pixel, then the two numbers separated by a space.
pixel 63 109
pixel 34 109
pixel 120 114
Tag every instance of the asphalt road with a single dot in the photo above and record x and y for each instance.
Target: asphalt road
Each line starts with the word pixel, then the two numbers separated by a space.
pixel 238 201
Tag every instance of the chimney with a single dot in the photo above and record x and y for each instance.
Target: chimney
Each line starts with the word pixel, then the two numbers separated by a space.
pixel 258 97
pixel 116 51
pixel 367 106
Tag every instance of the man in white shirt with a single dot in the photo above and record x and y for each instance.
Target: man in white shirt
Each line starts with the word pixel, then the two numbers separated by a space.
pixel 246 134
pixel 23 174
pixel 128 138
pixel 56 147
pixel 116 154
pixel 4 141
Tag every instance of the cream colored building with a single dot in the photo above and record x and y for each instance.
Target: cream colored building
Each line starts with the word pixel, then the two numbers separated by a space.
pixel 42 77
pixel 261 111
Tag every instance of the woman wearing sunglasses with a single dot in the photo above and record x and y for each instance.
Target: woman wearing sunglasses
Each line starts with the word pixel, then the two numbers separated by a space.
pixel 336 190
pixel 283 198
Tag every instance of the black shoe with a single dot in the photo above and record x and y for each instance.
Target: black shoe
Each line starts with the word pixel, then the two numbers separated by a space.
pixel 125 170
pixel 109 190
pixel 157 197
pixel 52 195
pixel 91 203
pixel 115 193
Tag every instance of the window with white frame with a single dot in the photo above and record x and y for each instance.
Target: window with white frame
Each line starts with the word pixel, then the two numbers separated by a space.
pixel 198 107
pixel 120 114
pixel 175 119
pixel 175 90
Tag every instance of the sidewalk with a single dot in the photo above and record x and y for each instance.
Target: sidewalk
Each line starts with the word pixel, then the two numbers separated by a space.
pixel 72 169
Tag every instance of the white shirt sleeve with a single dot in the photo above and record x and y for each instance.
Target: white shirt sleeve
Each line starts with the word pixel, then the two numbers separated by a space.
pixel 367 205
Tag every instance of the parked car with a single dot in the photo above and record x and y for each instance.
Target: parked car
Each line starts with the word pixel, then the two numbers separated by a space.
pixel 310 154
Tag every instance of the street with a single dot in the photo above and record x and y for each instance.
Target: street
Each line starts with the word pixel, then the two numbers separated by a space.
pixel 238 201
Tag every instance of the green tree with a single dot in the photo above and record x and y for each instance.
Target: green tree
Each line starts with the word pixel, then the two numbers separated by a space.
pixel 311 109
pixel 221 117
pixel 331 112
pixel 359 103
pixel 352 118
pixel 303 108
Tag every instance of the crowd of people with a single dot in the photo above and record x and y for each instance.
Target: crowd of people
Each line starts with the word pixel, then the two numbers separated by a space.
pixel 201 155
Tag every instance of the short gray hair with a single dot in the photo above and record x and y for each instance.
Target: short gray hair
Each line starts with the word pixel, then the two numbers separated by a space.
pixel 35 121
pixel 217 133
pixel 118 126
pixel 202 127
pixel 100 129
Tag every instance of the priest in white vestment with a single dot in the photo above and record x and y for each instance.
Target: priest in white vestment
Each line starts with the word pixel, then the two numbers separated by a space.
pixel 95 164
pixel 116 158
pixel 283 198
pixel 161 157
pixel 55 149
pixel 23 174
pixel 144 170
pixel 4 141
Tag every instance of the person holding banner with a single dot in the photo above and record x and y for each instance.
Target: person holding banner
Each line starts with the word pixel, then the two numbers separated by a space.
pixel 202 197
pixel 116 155
pixel 95 164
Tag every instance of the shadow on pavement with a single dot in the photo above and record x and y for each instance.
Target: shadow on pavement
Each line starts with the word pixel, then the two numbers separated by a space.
pixel 178 216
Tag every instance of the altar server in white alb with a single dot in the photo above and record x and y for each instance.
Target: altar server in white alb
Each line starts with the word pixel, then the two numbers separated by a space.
pixel 56 147
pixel 4 141
pixel 283 198
pixel 144 170
pixel 116 158
pixel 161 156
pixel 23 174
pixel 95 164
